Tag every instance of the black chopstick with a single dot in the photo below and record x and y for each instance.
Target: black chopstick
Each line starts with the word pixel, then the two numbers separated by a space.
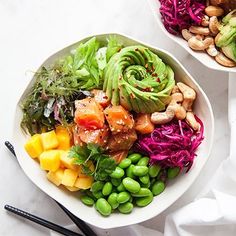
pixel 80 224
pixel 41 221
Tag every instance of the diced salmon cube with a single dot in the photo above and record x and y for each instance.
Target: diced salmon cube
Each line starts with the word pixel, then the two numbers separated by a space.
pixel 100 97
pixel 143 124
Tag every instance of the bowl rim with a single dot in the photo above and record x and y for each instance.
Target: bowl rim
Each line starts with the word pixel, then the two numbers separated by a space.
pixel 102 223
pixel 184 45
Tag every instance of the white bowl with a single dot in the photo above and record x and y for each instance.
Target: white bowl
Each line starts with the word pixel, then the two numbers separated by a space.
pixel 173 190
pixel 203 57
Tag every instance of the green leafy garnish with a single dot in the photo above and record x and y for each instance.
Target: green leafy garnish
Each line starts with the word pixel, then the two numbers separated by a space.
pixel 104 165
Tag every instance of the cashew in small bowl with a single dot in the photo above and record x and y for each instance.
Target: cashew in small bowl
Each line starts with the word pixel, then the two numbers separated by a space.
pixel 225 61
pixel 198 44
pixel 214 11
pixel 189 96
pixel 190 119
pixel 199 30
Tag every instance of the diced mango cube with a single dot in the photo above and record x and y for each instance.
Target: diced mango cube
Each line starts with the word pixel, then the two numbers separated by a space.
pixel 68 162
pixel 69 177
pixel 56 177
pixel 50 160
pixel 63 138
pixel 49 140
pixel 72 189
pixel 34 146
pixel 84 183
pixel 80 169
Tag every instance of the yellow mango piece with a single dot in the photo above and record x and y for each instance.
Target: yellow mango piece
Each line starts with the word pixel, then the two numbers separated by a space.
pixel 72 189
pixel 55 177
pixel 34 146
pixel 80 169
pixel 69 177
pixel 68 162
pixel 49 140
pixel 84 183
pixel 63 138
pixel 50 160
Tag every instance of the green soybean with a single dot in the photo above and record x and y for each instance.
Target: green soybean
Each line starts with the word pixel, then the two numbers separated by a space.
pixel 146 185
pixel 97 186
pixel 143 192
pixel 121 188
pixel 123 197
pixel 112 200
pixel 125 163
pixel 107 188
pixel 90 194
pixel 158 187
pixel 117 173
pixel 140 170
pixel 87 200
pixel 154 170
pixel 131 185
pixel 103 207
pixel 173 172
pixel 134 157
pixel 129 171
pixel 143 161
pixel 125 208
pixel 115 182
pixel 98 194
pixel 144 179
pixel 144 201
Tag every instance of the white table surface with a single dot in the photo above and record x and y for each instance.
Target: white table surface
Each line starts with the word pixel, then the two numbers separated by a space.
pixel 29 32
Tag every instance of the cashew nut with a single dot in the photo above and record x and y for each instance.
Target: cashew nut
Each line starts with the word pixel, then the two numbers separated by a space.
pixel 160 118
pixel 217 2
pixel 214 11
pixel 180 112
pixel 205 20
pixel 199 30
pixel 225 61
pixel 212 51
pixel 175 89
pixel 190 119
pixel 200 45
pixel 214 25
pixel 199 36
pixel 186 34
pixel 189 96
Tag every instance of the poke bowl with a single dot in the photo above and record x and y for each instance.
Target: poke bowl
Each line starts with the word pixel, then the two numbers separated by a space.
pixel 210 53
pixel 80 153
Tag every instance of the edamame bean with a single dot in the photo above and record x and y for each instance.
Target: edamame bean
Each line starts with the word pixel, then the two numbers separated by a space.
pixel 90 194
pixel 117 173
pixel 153 170
pixel 115 182
pixel 143 161
pixel 158 187
pixel 131 185
pixel 173 172
pixel 144 179
pixel 126 208
pixel 146 185
pixel 125 163
pixel 112 200
pixel 140 170
pixel 123 197
pixel 129 171
pixel 103 207
pixel 144 201
pixel 134 157
pixel 121 188
pixel 143 192
pixel 107 188
pixel 97 186
pixel 87 200
pixel 98 194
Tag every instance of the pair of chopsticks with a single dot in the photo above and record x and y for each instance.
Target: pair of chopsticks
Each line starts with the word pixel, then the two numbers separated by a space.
pixel 81 224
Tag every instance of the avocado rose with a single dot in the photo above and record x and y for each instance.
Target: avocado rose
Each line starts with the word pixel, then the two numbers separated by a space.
pixel 138 79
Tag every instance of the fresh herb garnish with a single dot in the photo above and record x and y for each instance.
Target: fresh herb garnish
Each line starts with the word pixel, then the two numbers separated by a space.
pixel 104 165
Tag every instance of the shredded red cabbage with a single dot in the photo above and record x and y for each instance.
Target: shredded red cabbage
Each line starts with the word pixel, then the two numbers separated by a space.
pixel 172 145
pixel 181 14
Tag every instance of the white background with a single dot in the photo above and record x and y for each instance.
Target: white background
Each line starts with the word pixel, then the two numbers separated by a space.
pixel 30 31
